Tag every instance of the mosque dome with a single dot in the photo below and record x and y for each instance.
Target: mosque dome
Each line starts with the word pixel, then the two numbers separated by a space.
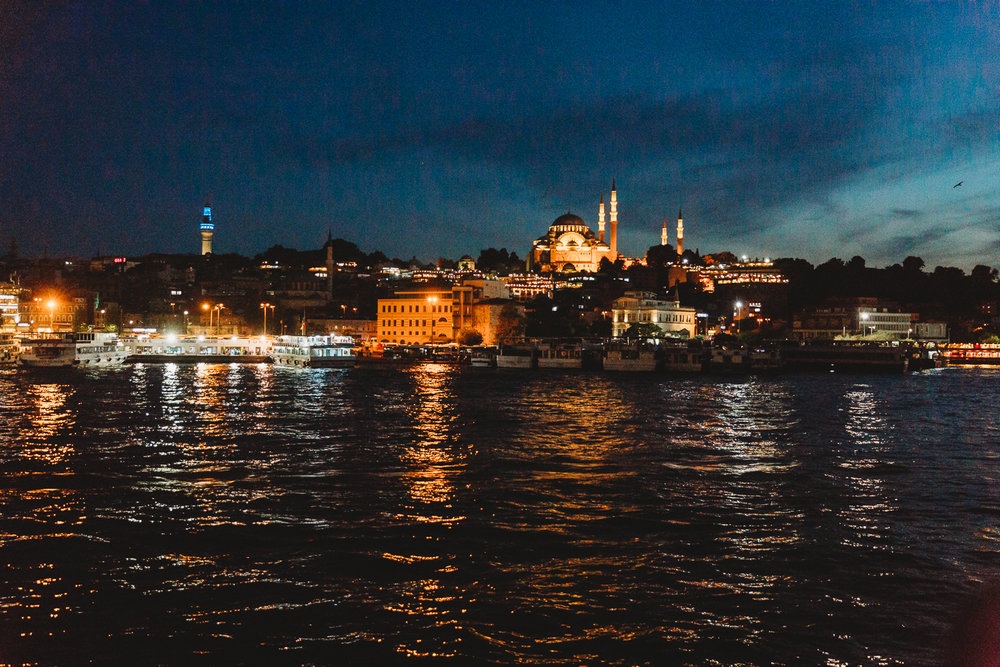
pixel 569 219
pixel 571 224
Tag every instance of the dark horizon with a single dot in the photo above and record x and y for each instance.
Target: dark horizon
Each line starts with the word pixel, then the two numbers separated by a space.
pixel 808 131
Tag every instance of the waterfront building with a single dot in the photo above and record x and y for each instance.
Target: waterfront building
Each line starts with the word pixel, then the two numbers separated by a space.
pixel 415 316
pixel 644 307
pixel 932 332
pixel 570 245
pixel 863 316
pixel 436 314
pixel 875 319
pixel 207 230
pixel 360 330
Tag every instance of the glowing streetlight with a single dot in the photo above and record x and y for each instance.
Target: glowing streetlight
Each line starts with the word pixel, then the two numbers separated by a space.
pixel 264 307
pixel 51 305
pixel 218 318
pixel 864 329
pixel 739 314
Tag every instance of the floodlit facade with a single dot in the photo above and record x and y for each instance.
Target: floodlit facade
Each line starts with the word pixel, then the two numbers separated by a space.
pixel 644 307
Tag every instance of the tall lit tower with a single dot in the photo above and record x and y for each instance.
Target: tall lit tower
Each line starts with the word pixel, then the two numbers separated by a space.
pixel 207 230
pixel 600 220
pixel 614 222
pixel 663 234
pixel 680 233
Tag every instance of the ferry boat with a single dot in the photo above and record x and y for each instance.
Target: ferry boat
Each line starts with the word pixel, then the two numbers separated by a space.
pixel 971 354
pixel 517 356
pixel 683 359
pixel 8 347
pixel 840 357
pixel 321 351
pixel 85 350
pixel 483 357
pixel 631 358
pixel 560 355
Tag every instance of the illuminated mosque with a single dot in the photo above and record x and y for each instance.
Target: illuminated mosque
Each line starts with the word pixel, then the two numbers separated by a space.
pixel 570 245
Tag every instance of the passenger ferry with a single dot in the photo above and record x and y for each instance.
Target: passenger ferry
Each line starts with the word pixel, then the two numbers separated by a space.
pixel 631 358
pixel 521 355
pixel 8 348
pixel 329 351
pixel 560 355
pixel 85 350
pixel 691 358
pixel 483 357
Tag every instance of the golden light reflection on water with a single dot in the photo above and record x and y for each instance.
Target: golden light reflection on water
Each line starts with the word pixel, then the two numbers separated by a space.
pixel 435 457
pixel 433 462
pixel 51 415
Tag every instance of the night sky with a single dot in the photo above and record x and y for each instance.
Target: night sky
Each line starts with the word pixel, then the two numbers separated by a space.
pixel 438 129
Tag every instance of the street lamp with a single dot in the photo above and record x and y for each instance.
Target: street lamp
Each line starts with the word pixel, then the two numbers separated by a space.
pixel 185 322
pixel 218 318
pixel 51 303
pixel 264 307
pixel 739 314
pixel 864 328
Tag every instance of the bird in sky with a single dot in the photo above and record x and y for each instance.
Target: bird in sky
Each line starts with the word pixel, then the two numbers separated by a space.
pixel 957 184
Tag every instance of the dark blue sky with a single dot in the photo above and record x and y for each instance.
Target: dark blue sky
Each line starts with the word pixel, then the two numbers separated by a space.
pixel 784 129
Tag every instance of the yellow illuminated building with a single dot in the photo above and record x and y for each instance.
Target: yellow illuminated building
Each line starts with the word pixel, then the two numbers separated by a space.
pixel 417 316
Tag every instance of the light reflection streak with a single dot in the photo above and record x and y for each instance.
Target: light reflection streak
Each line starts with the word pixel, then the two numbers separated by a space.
pixel 866 517
pixel 52 416
pixel 433 460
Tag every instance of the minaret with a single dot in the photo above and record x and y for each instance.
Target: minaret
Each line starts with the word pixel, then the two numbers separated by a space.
pixel 614 222
pixel 329 264
pixel 600 220
pixel 663 234
pixel 680 233
pixel 207 230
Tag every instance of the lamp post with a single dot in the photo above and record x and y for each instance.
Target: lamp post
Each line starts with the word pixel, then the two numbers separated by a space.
pixel 864 327
pixel 51 304
pixel 739 315
pixel 218 319
pixel 264 307
pixel 185 322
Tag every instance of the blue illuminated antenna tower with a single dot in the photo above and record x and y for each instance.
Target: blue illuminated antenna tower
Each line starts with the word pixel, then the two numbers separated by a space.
pixel 207 230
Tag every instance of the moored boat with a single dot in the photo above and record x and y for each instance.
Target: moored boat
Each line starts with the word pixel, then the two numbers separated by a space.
pixel 560 355
pixel 630 358
pixel 322 351
pixel 833 357
pixel 521 355
pixel 85 350
pixel 9 348
pixel 483 357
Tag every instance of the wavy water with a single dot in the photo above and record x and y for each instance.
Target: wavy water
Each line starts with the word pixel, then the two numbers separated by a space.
pixel 250 514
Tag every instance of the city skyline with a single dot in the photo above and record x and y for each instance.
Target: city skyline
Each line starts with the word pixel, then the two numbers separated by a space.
pixel 806 130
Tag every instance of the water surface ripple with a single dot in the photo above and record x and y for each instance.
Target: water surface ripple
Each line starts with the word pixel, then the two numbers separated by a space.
pixel 254 514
